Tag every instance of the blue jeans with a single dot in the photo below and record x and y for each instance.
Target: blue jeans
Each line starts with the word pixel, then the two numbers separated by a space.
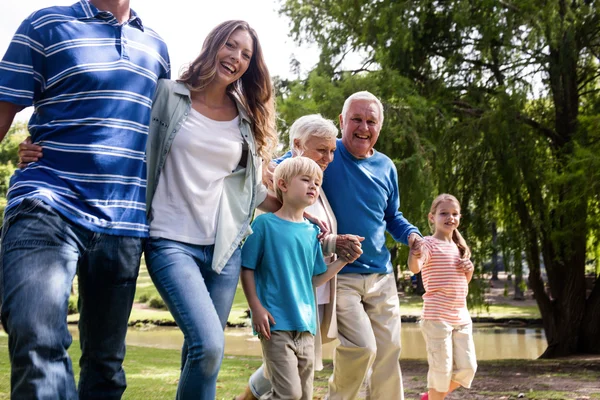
pixel 200 300
pixel 41 254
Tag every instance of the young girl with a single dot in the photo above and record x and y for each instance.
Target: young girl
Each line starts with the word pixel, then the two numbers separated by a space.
pixel 447 270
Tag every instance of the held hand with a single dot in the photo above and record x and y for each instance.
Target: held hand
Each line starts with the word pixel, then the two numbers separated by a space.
pixel 415 242
pixel 348 247
pixel 28 152
pixel 466 265
pixel 260 322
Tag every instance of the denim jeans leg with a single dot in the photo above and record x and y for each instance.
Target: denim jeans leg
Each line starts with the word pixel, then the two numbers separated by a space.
pixel 39 260
pixel 108 273
pixel 200 301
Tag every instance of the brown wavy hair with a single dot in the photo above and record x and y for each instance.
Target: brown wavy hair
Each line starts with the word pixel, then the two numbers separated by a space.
pixel 465 251
pixel 253 90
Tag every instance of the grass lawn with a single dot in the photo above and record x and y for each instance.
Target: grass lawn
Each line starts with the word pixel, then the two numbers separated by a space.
pixel 412 305
pixel 152 374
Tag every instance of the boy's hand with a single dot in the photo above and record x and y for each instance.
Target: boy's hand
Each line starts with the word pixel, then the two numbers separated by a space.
pixel 348 247
pixel 466 265
pixel 260 321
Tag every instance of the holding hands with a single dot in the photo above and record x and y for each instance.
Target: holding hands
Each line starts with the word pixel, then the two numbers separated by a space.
pixel 348 247
pixel 415 242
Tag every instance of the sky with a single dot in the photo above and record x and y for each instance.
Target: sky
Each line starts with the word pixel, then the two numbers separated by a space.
pixel 184 24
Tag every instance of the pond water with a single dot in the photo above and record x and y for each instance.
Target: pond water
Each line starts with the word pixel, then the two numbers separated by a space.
pixel 491 342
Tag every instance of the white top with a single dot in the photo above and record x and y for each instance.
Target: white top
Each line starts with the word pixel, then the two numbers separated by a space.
pixel 185 206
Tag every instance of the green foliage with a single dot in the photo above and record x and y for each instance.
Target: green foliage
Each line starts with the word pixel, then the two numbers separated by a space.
pixel 157 302
pixel 496 103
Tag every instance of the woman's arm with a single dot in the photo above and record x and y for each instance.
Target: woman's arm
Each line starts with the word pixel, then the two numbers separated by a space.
pixel 270 204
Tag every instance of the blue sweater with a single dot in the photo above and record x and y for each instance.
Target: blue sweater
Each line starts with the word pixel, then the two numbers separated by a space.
pixel 363 194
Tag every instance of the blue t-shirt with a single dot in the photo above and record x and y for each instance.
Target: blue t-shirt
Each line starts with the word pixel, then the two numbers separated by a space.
pixel 91 81
pixel 363 194
pixel 285 256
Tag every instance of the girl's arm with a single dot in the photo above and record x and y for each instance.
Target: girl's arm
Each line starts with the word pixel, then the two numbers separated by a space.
pixel 260 315
pixel 415 256
pixel 332 269
pixel 414 262
pixel 468 268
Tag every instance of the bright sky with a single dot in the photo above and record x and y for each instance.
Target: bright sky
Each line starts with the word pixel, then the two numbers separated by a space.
pixel 184 24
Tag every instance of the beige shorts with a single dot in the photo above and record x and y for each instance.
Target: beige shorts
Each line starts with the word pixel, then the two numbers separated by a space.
pixel 450 354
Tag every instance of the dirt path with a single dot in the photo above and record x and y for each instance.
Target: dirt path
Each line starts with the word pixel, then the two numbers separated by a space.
pixel 572 379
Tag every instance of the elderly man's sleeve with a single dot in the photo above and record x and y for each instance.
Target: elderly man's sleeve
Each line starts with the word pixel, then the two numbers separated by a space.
pixel 396 224
pixel 21 69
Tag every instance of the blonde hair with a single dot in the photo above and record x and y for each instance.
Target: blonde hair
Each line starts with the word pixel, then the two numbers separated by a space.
pixel 312 125
pixel 465 251
pixel 364 95
pixel 292 167
pixel 253 90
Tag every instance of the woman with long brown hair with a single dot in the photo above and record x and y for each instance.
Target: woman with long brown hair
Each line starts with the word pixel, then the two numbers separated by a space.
pixel 210 132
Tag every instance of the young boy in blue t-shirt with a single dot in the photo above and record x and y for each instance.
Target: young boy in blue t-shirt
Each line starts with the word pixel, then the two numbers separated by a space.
pixel 281 261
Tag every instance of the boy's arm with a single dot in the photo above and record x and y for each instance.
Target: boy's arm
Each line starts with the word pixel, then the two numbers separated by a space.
pixel 332 269
pixel 260 315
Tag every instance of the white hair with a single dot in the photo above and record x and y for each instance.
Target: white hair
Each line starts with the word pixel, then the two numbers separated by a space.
pixel 312 125
pixel 364 95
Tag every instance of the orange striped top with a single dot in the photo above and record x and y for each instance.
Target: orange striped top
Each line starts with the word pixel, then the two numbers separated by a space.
pixel 445 283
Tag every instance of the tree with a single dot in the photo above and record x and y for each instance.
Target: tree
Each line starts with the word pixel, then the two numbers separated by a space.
pixel 515 86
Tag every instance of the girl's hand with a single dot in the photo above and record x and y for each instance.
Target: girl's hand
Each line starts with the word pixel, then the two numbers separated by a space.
pixel 260 322
pixel 415 243
pixel 28 152
pixel 466 265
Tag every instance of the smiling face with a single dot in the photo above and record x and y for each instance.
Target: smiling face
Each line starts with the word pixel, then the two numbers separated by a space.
pixel 360 127
pixel 233 58
pixel 446 217
pixel 318 149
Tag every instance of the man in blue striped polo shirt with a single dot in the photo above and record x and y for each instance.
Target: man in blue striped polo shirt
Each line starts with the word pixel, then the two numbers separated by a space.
pixel 90 71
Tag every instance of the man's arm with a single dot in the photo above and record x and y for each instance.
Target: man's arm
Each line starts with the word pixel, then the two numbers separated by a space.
pixel 7 115
pixel 396 224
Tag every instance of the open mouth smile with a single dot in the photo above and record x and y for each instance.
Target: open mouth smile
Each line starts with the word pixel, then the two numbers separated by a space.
pixel 229 67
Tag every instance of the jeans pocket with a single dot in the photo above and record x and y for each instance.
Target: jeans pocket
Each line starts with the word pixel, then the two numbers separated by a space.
pixel 25 206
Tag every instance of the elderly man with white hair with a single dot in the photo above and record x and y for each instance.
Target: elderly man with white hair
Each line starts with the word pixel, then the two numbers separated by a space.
pixel 362 187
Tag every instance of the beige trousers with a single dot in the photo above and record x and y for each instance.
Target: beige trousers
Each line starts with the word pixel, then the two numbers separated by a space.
pixel 289 362
pixel 450 354
pixel 368 317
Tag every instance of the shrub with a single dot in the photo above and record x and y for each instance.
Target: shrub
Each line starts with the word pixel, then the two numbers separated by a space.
pixel 157 302
pixel 72 308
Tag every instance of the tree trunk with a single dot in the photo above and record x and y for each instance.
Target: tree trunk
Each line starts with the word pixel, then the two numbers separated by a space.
pixel 519 295
pixel 495 264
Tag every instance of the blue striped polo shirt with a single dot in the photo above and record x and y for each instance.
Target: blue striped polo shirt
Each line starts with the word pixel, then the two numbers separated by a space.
pixel 91 81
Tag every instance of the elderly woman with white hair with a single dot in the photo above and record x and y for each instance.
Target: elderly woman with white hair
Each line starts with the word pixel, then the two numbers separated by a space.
pixel 314 137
